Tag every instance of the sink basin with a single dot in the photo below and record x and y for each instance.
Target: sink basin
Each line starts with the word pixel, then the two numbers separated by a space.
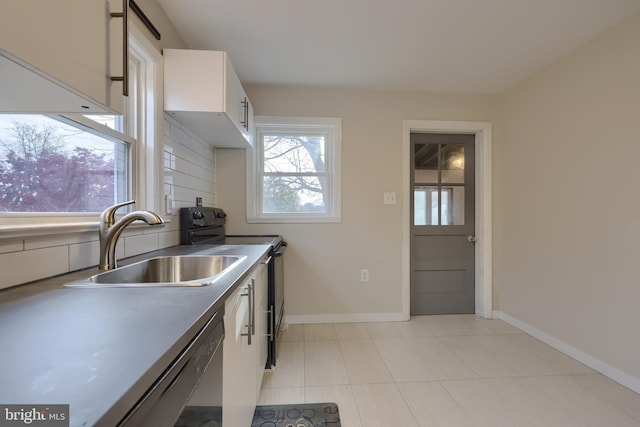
pixel 185 270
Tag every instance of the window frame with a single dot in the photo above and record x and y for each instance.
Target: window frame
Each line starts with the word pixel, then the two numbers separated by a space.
pixel 332 127
pixel 145 166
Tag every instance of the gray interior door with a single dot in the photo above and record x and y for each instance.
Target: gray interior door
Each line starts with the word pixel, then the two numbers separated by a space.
pixel 443 224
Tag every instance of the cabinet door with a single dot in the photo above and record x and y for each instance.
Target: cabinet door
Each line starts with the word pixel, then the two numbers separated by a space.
pixel 237 105
pixel 261 337
pixel 243 115
pixel 249 131
pixel 65 39
pixel 234 96
pixel 238 378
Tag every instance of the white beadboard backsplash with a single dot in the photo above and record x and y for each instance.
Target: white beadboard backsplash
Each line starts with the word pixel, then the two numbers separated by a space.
pixel 189 172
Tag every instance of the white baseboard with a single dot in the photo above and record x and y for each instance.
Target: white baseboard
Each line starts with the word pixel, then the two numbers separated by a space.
pixel 296 319
pixel 594 363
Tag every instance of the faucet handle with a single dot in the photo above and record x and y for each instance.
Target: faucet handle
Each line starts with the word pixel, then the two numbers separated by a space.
pixel 108 216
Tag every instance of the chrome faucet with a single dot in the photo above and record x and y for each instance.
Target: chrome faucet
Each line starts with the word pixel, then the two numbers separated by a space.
pixel 110 229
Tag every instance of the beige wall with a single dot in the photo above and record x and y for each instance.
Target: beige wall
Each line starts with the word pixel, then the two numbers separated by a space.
pixel 566 199
pixel 170 38
pixel 566 232
pixel 324 260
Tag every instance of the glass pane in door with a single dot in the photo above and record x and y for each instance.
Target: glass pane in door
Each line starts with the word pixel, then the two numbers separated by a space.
pixel 425 205
pixel 452 168
pixel 426 164
pixel 430 201
pixel 452 206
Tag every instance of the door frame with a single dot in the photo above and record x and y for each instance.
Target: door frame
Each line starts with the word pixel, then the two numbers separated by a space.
pixel 483 253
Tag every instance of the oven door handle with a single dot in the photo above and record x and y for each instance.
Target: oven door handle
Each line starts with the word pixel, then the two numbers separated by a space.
pixel 271 323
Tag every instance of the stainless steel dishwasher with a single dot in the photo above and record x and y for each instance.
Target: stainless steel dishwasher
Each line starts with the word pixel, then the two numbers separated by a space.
pixel 162 404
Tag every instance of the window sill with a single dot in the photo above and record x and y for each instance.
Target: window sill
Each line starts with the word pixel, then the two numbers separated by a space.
pixel 31 230
pixel 295 220
pixel 14 232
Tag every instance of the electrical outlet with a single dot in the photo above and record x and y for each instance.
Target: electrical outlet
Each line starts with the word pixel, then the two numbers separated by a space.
pixel 364 276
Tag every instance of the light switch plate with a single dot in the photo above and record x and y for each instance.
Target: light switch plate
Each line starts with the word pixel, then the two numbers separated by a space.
pixel 390 198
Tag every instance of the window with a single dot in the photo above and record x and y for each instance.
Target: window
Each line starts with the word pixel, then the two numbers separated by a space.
pixel 61 164
pixel 57 169
pixel 294 172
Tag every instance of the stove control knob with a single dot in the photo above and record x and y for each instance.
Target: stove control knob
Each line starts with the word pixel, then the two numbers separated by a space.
pixel 221 215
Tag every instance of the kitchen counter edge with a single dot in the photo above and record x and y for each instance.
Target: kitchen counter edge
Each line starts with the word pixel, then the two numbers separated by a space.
pixel 157 322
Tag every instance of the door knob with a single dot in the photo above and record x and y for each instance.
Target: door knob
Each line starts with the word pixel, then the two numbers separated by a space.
pixel 471 238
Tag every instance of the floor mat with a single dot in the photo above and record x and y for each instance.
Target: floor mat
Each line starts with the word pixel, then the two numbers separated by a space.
pixel 297 415
pixel 292 415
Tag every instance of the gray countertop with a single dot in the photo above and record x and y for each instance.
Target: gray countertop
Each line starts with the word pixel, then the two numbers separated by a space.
pixel 99 350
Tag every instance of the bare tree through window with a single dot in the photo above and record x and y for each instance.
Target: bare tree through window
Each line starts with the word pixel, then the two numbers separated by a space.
pixel 294 170
pixel 295 178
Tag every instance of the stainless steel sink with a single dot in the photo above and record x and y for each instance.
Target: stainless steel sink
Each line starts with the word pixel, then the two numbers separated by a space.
pixel 185 270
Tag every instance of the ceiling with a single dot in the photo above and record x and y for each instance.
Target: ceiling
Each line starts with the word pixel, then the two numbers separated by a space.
pixel 469 46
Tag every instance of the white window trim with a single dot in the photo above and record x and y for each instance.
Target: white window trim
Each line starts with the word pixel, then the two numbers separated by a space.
pixel 147 157
pixel 333 164
pixel 146 160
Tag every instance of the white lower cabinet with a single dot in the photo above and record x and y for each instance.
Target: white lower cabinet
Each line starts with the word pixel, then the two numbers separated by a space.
pixel 261 336
pixel 245 348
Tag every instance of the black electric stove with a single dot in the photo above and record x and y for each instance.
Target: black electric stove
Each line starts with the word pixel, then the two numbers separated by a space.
pixel 206 226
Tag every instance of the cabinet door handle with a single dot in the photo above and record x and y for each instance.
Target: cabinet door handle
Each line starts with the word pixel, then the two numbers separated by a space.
pixel 250 325
pixel 245 113
pixel 252 287
pixel 246 109
pixel 125 47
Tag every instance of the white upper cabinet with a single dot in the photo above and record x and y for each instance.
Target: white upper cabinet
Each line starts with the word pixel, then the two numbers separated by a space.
pixel 55 56
pixel 203 91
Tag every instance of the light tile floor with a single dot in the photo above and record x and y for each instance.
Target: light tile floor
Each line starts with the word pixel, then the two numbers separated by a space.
pixel 457 370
